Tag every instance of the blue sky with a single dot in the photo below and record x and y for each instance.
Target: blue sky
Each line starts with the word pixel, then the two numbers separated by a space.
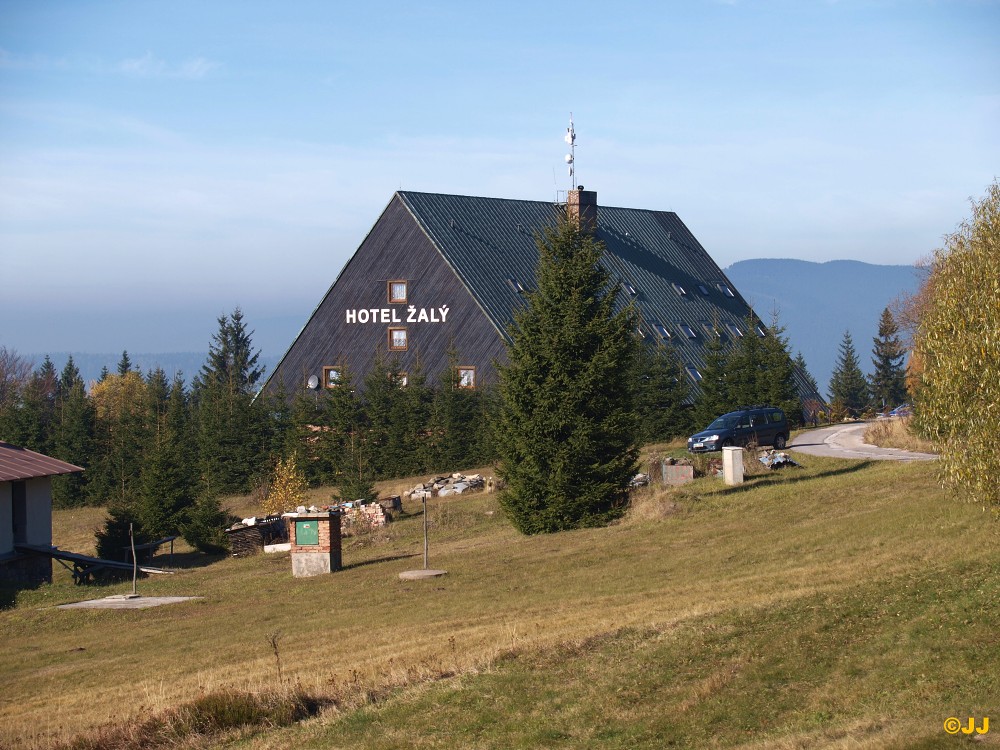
pixel 163 162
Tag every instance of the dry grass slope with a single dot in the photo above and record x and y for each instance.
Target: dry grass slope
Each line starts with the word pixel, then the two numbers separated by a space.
pixel 844 604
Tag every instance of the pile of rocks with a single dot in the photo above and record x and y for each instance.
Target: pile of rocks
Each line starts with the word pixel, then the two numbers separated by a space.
pixel 356 518
pixel 455 484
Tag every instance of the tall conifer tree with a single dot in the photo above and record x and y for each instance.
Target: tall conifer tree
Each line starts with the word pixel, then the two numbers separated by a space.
pixel 567 429
pixel 74 436
pixel 848 386
pixel 888 380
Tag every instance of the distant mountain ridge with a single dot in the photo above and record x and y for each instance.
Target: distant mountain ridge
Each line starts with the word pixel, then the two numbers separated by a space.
pixel 817 302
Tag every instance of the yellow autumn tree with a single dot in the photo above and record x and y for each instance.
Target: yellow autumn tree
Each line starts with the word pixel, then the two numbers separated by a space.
pixel 958 344
pixel 288 488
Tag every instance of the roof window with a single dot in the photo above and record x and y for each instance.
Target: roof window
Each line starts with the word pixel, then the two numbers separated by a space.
pixel 516 285
pixel 703 289
pixel 734 330
pixel 679 289
pixel 693 372
pixel 662 330
pixel 725 289
pixel 687 330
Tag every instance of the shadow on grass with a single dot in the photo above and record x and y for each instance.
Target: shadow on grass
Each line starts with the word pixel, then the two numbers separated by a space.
pixel 781 476
pixel 376 560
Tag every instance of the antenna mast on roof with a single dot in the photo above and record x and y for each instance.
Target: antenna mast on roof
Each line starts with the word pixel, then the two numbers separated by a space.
pixel 570 138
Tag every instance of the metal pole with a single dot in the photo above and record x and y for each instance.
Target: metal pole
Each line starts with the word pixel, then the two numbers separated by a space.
pixel 135 564
pixel 425 533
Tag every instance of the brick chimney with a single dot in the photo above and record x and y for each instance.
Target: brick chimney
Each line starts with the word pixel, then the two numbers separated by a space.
pixel 581 208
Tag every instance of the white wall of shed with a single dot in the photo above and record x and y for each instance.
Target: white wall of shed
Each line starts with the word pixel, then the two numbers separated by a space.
pixel 39 500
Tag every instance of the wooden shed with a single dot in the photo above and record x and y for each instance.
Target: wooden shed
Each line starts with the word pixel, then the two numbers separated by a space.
pixel 26 512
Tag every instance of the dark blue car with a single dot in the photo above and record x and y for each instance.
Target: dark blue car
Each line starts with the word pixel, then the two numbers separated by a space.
pixel 761 425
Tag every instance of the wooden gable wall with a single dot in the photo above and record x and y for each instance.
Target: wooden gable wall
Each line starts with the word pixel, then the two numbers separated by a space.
pixel 395 249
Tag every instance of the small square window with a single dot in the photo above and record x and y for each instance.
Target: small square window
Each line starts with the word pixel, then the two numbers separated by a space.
pixel 687 330
pixel 466 377
pixel 331 376
pixel 397 292
pixel 397 340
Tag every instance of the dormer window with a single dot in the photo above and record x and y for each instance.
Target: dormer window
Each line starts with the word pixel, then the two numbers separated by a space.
pixel 397 292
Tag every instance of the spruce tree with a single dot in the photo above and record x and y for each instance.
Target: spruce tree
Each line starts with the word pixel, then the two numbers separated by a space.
pixel 457 422
pixel 713 396
pixel 567 428
pixel 800 362
pixel 168 488
pixel 848 386
pixel 778 386
pixel 888 379
pixel 74 437
pixel 663 393
pixel 232 434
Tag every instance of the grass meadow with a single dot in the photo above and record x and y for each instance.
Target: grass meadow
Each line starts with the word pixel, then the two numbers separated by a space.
pixel 841 604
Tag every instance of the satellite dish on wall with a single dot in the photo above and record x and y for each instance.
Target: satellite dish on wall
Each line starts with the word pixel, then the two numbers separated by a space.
pixel 313 382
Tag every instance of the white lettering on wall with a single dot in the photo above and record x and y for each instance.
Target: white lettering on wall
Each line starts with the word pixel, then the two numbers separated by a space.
pixel 393 315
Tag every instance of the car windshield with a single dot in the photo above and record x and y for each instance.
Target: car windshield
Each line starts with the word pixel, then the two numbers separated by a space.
pixel 722 423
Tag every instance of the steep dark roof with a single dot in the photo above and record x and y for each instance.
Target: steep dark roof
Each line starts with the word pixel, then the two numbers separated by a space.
pixel 17 464
pixel 489 242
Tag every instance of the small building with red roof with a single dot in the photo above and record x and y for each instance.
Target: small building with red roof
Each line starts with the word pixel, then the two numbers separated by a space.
pixel 26 512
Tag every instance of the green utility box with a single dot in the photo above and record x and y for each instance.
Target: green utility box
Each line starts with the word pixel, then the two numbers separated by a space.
pixel 307 533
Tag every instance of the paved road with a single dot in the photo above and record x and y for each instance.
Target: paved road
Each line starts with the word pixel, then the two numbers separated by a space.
pixel 847 441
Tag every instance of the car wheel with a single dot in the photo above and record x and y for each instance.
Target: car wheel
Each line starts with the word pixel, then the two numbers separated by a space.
pixel 779 442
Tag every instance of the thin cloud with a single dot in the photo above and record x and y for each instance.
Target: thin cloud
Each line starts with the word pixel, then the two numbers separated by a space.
pixel 150 66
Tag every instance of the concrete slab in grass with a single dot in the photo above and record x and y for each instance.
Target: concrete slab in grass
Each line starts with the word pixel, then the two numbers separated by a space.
pixel 126 601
